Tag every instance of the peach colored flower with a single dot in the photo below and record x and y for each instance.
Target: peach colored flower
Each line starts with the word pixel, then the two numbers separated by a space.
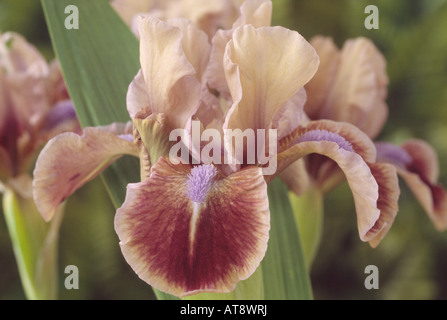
pixel 34 106
pixel 187 228
pixel 351 86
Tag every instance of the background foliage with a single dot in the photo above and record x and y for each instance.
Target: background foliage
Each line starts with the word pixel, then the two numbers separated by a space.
pixel 412 259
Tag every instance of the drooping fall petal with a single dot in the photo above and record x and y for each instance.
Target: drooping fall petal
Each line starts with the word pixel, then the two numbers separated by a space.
pixel 353 152
pixel 188 229
pixel 68 161
pixel 386 177
pixel 195 45
pixel 417 163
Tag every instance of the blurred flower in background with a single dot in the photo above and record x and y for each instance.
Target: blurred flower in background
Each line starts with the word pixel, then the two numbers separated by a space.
pixel 34 107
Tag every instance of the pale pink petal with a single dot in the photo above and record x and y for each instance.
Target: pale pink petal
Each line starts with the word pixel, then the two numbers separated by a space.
pixel 137 99
pixel 290 115
pixel 170 79
pixel 68 161
pixel 296 177
pixel 128 9
pixel 350 148
pixel 318 88
pixel 351 86
pixel 268 65
pixel 195 45
pixel 362 75
pixel 188 230
pixel 25 71
pixel 255 12
pixel 389 191
pixel 417 163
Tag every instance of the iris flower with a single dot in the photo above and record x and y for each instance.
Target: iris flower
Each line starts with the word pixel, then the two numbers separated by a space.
pixel 34 107
pixel 351 86
pixel 190 228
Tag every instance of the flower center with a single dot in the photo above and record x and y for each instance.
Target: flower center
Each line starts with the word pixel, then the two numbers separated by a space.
pixel 199 182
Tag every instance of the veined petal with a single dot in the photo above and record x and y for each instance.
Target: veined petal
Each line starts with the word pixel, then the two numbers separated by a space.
pixel 290 115
pixel 195 45
pixel 389 191
pixel 188 229
pixel 68 161
pixel 347 135
pixel 255 12
pixel 268 65
pixel 170 79
pixel 361 73
pixel 320 85
pixel 417 163
pixel 61 118
pixel 351 86
pixel 152 135
pixel 350 148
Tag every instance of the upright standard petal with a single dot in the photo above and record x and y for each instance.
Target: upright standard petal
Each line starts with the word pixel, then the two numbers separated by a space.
pixel 351 86
pixel 170 79
pixel 264 68
pixel 255 12
pixel 68 161
pixel 188 229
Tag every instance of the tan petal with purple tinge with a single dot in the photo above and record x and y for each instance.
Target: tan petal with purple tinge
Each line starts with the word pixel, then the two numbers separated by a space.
pixel 350 86
pixel 296 177
pixel 389 191
pixel 319 86
pixel 268 65
pixel 255 12
pixel 422 179
pixel 417 163
pixel 348 147
pixel 68 161
pixel 170 79
pixel 188 230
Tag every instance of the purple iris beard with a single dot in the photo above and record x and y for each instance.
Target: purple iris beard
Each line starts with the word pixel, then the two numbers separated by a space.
pixel 199 182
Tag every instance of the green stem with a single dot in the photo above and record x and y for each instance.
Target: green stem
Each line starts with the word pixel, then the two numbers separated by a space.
pixel 35 244
pixel 308 211
pixel 285 273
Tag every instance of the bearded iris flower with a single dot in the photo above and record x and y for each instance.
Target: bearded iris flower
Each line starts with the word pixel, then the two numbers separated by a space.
pixel 351 86
pixel 187 228
pixel 34 107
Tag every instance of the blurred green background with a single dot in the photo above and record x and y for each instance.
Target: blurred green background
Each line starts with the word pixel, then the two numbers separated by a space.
pixel 412 259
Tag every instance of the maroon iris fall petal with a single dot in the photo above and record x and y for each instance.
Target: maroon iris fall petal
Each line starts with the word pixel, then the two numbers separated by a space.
pixel 188 229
